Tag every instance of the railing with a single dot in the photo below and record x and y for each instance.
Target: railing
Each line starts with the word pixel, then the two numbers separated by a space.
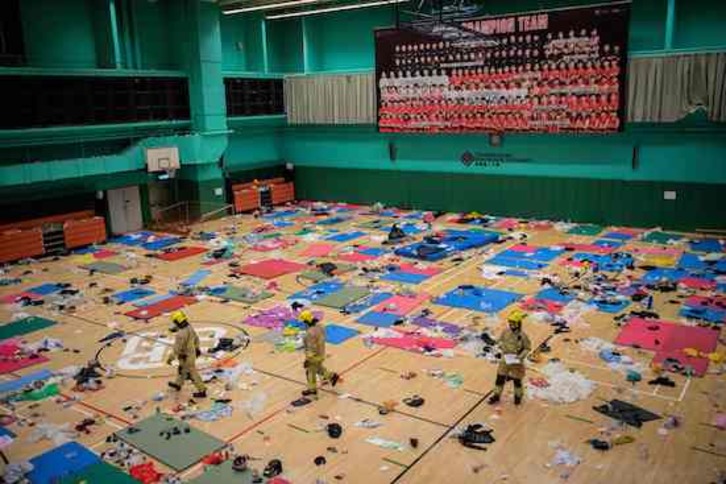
pixel 178 217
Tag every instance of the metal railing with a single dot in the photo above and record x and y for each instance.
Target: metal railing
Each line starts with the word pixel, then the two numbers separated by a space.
pixel 180 216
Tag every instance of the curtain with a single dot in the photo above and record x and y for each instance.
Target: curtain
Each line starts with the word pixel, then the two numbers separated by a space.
pixel 659 89
pixel 331 99
pixel 665 89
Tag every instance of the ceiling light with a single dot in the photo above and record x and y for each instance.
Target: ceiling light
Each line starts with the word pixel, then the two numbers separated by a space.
pixel 334 9
pixel 270 6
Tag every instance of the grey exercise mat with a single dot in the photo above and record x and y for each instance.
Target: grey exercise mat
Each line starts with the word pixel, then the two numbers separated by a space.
pixel 223 474
pixel 244 295
pixel 105 267
pixel 180 451
pixel 345 296
pixel 316 275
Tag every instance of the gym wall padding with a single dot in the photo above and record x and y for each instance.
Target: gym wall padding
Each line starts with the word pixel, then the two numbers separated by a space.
pixel 603 201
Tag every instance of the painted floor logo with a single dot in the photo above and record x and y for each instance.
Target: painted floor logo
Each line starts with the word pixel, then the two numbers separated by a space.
pixel 469 159
pixel 145 351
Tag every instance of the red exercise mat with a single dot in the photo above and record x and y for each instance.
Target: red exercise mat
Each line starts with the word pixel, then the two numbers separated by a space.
pixel 648 334
pixel 421 271
pixel 104 254
pixel 401 305
pixel 271 268
pixel 9 362
pixel 356 257
pixel 181 253
pixel 417 343
pixel 534 304
pixel 13 298
pixel 528 249
pixel 698 283
pixel 162 307
pixel 699 365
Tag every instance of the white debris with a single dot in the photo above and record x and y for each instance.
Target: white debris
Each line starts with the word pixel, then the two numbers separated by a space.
pixel 564 385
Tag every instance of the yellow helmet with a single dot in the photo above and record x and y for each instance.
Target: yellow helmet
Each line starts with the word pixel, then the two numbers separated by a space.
pixel 516 317
pixel 307 317
pixel 178 317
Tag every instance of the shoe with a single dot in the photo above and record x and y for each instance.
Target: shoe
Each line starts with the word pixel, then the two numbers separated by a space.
pixel 517 400
pixel 494 399
pixel 174 386
pixel 310 393
pixel 334 379
pixel 202 394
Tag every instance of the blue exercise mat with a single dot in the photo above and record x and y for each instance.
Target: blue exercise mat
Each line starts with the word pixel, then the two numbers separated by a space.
pixel 345 236
pixel 405 277
pixel 671 275
pixel 196 278
pixel 425 251
pixel 617 236
pixel 368 302
pixel 133 240
pixel 478 299
pixel 517 263
pixel 611 308
pixel 373 251
pixel 52 466
pixel 379 320
pixel 86 250
pixel 705 314
pixel 691 261
pixel 608 244
pixel 334 334
pixel 153 300
pixel 551 294
pixel 516 273
pixel 132 294
pixel 282 214
pixel 408 228
pixel 541 254
pixel 161 243
pixel 45 289
pixel 333 220
pixel 7 433
pixel 23 381
pixel 319 290
pixel 282 223
pixel 607 263
pixel 706 245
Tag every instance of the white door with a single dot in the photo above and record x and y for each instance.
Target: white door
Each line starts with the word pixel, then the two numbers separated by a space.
pixel 124 206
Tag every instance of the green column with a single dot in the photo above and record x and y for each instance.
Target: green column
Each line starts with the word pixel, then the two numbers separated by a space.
pixel 201 178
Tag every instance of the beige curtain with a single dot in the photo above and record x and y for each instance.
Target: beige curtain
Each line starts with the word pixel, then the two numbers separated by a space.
pixel 660 89
pixel 331 99
pixel 665 89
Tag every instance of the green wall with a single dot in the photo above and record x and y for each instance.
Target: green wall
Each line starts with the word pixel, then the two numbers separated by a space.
pixel 58 33
pixel 621 202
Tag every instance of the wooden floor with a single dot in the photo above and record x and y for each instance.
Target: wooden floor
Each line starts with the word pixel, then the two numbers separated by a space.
pixel 526 436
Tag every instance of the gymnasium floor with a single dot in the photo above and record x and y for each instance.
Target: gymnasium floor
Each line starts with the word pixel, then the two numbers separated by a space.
pixel 264 425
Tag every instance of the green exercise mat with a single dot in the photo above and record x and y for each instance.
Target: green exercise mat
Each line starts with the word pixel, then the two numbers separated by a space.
pixel 105 267
pixel 661 237
pixel 102 472
pixel 223 474
pixel 317 276
pixel 244 295
pixel 24 326
pixel 180 451
pixel 586 229
pixel 342 298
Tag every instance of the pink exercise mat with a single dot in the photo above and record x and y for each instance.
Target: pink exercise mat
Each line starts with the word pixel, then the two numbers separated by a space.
pixel 318 249
pixel 528 249
pixel 699 365
pixel 421 271
pixel 698 283
pixel 595 249
pixel 506 223
pixel 9 362
pixel 401 305
pixel 271 268
pixel 356 257
pixel 715 302
pixel 13 298
pixel 648 334
pixel 415 342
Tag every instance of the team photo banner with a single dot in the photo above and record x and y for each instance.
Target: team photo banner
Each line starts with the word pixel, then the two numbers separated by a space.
pixel 557 71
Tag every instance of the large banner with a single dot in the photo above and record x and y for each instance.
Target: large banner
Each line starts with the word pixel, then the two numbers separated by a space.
pixel 550 71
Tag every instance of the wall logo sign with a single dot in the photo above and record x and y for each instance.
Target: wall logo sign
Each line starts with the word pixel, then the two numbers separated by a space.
pixel 472 158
